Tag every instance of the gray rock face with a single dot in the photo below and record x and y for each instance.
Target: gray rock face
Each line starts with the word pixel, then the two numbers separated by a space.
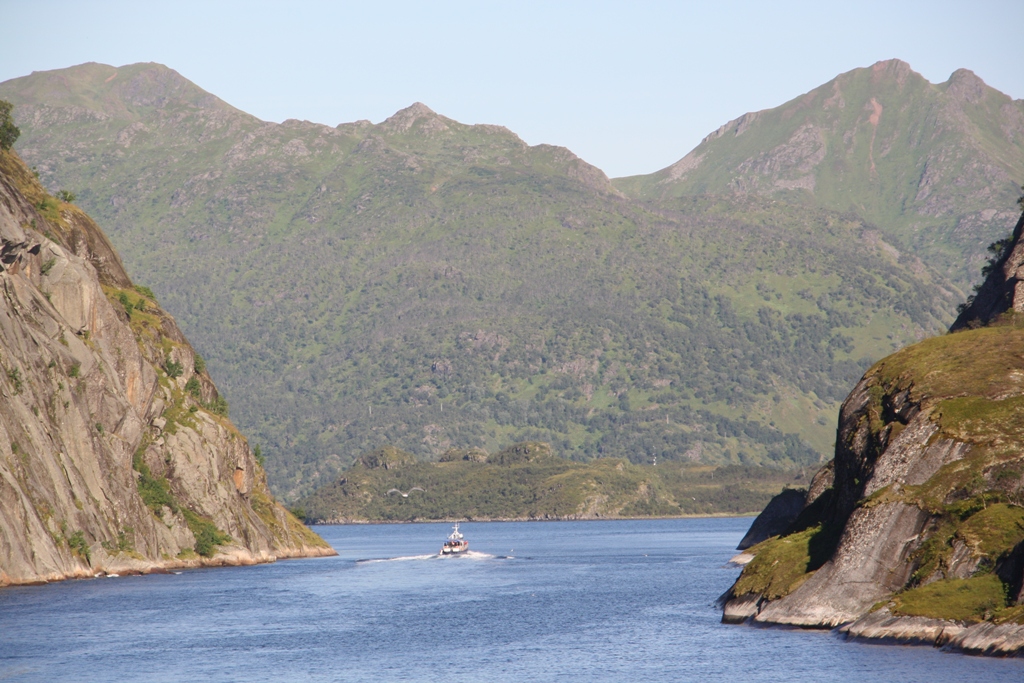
pixel 776 517
pixel 882 625
pixel 86 407
pixel 989 639
pixel 741 609
pixel 871 561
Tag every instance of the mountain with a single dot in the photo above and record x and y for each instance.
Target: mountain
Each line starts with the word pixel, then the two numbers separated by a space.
pixel 528 481
pixel 915 531
pixel 432 285
pixel 935 168
pixel 114 453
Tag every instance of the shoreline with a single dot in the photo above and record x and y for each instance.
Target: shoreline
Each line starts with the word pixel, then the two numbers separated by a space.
pixel 979 639
pixel 467 520
pixel 136 567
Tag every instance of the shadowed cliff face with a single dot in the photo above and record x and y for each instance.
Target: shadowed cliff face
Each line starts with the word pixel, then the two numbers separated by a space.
pixel 921 536
pixel 1003 288
pixel 114 452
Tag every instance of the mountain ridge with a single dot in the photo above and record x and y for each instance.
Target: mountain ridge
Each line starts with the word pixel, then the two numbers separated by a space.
pixel 430 263
pixel 848 133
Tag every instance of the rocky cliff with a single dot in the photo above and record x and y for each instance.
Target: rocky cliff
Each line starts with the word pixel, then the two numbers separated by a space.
pixel 915 532
pixel 116 454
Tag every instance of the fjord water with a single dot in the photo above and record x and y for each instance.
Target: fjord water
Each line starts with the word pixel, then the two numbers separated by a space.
pixel 554 601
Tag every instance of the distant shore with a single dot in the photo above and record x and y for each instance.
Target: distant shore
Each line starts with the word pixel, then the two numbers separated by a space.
pixel 452 520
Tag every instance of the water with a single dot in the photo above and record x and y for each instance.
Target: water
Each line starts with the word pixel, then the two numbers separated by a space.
pixel 556 601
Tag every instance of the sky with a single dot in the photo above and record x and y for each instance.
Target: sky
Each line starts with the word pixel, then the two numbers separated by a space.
pixel 630 87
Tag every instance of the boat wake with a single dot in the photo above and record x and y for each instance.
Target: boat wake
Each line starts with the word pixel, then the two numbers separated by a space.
pixel 469 554
pixel 405 558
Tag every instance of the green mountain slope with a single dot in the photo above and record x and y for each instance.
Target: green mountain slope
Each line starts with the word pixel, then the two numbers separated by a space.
pixel 935 167
pixel 430 284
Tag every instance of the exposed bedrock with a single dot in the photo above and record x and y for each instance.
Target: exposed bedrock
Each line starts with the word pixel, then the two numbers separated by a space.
pixel 777 516
pixel 914 533
pixel 115 452
pixel 870 562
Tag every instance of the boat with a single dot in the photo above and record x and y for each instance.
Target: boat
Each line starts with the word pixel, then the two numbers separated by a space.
pixel 455 544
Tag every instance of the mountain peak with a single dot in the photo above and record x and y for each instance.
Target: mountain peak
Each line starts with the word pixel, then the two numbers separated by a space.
pixel 111 91
pixel 404 119
pixel 964 84
pixel 892 70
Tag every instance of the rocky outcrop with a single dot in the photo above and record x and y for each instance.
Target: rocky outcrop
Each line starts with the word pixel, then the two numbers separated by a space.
pixel 989 639
pixel 116 454
pixel 1003 289
pixel 779 514
pixel 883 626
pixel 915 532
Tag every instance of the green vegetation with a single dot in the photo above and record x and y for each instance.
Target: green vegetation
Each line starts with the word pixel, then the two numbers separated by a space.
pixel 47 266
pixel 79 546
pixel 217 406
pixel 66 196
pixel 281 524
pixel 156 494
pixel 125 542
pixel 994 530
pixel 128 305
pixel 779 566
pixel 527 481
pixel 8 131
pixel 14 375
pixel 971 381
pixel 173 368
pixel 968 600
pixel 207 535
pixel 155 491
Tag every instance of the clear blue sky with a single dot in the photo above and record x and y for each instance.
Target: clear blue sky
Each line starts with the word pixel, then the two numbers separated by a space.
pixel 629 86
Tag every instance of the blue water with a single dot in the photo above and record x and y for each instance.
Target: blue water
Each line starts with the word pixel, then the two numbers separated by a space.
pixel 555 601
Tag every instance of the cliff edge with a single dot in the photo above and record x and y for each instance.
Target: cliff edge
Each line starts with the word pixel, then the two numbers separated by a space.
pixel 914 533
pixel 116 454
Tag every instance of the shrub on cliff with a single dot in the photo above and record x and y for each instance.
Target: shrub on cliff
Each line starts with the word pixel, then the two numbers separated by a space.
pixel 8 131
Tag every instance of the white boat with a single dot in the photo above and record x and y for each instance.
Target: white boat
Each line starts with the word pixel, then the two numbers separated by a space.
pixel 455 543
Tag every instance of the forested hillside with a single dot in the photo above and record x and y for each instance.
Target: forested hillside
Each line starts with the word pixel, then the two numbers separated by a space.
pixel 430 285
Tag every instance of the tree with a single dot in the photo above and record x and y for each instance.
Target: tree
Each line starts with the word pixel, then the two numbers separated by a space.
pixel 8 131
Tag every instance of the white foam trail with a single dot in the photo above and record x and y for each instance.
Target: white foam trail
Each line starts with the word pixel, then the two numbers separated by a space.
pixel 476 555
pixel 470 554
pixel 406 558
